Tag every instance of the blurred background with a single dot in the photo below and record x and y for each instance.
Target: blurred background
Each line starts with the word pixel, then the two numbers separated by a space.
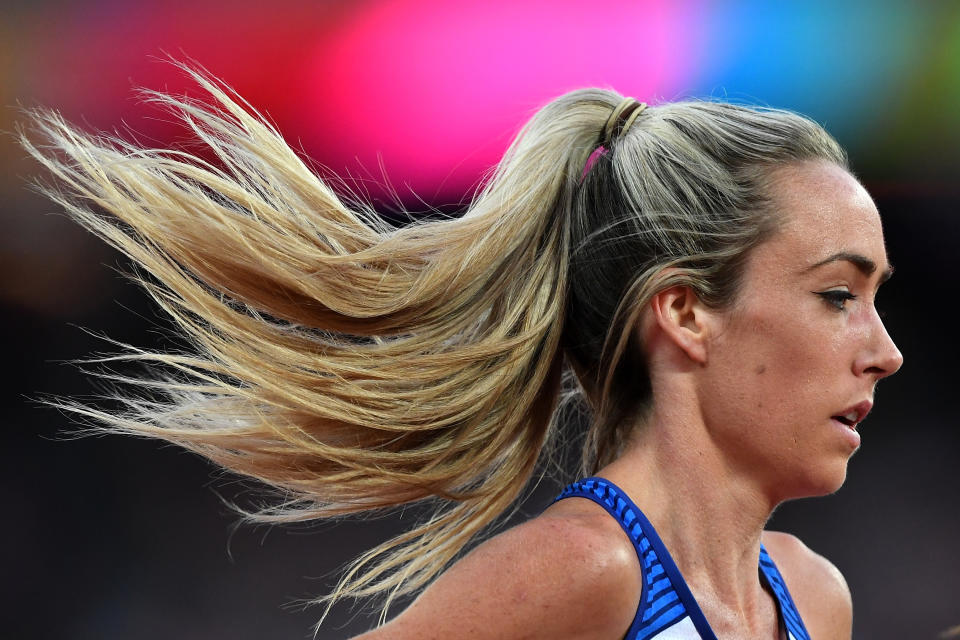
pixel 112 537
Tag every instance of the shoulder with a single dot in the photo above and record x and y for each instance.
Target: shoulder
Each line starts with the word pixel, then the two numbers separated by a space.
pixel 817 586
pixel 566 573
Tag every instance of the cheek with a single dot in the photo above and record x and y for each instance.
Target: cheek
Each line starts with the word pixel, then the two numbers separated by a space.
pixel 775 360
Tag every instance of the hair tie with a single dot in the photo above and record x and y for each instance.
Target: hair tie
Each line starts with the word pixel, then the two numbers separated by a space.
pixel 620 120
pixel 617 124
pixel 592 160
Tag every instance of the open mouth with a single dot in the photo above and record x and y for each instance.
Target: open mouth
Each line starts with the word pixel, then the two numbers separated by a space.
pixel 850 419
pixel 854 415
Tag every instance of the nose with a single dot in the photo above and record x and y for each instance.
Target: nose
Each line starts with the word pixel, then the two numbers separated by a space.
pixel 880 358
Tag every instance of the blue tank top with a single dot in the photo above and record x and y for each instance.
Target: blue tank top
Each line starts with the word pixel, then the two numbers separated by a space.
pixel 667 610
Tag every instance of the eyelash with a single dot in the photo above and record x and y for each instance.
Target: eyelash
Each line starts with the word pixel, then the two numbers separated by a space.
pixel 837 298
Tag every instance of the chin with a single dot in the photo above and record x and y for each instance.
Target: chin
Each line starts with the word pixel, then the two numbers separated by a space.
pixel 828 480
pixel 830 487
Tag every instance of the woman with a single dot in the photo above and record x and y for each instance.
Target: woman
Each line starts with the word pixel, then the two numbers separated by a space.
pixel 707 271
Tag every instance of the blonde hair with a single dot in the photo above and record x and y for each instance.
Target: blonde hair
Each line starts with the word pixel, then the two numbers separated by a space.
pixel 353 364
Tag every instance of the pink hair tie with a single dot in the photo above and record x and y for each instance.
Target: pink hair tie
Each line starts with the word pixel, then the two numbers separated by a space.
pixel 592 160
pixel 616 125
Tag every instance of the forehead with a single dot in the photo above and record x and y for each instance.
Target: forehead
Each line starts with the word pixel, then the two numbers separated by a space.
pixel 822 210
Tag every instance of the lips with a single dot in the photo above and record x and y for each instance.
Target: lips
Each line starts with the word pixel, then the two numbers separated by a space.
pixel 852 416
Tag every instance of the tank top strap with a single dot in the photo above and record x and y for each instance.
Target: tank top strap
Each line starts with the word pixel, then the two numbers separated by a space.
pixel 667 608
pixel 788 610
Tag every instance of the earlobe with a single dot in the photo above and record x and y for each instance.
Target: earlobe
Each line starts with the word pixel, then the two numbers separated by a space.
pixel 681 316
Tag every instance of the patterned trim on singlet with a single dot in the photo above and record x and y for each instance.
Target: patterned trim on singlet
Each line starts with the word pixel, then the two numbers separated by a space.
pixel 667 609
pixel 788 610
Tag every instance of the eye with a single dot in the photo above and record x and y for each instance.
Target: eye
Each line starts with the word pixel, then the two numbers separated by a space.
pixel 837 297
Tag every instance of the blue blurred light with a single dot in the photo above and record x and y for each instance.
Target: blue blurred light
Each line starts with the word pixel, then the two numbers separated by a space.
pixel 845 64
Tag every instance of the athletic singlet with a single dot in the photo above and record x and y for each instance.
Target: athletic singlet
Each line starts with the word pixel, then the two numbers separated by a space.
pixel 667 610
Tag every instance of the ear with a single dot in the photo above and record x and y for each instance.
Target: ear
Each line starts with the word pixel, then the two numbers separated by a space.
pixel 683 319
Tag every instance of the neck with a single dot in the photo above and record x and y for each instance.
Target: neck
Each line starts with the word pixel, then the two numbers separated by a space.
pixel 713 530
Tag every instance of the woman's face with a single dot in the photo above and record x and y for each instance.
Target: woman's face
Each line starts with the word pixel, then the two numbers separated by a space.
pixel 793 363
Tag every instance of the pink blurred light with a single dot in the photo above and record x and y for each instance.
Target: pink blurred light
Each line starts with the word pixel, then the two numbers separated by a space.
pixel 439 88
pixel 91 56
pixel 435 88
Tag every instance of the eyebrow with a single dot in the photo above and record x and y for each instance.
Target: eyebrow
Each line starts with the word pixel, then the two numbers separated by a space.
pixel 864 265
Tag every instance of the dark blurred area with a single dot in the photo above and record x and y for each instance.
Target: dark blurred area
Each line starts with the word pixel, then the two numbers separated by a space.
pixel 113 537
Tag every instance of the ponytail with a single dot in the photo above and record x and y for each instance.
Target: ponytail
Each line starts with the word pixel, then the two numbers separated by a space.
pixel 348 363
